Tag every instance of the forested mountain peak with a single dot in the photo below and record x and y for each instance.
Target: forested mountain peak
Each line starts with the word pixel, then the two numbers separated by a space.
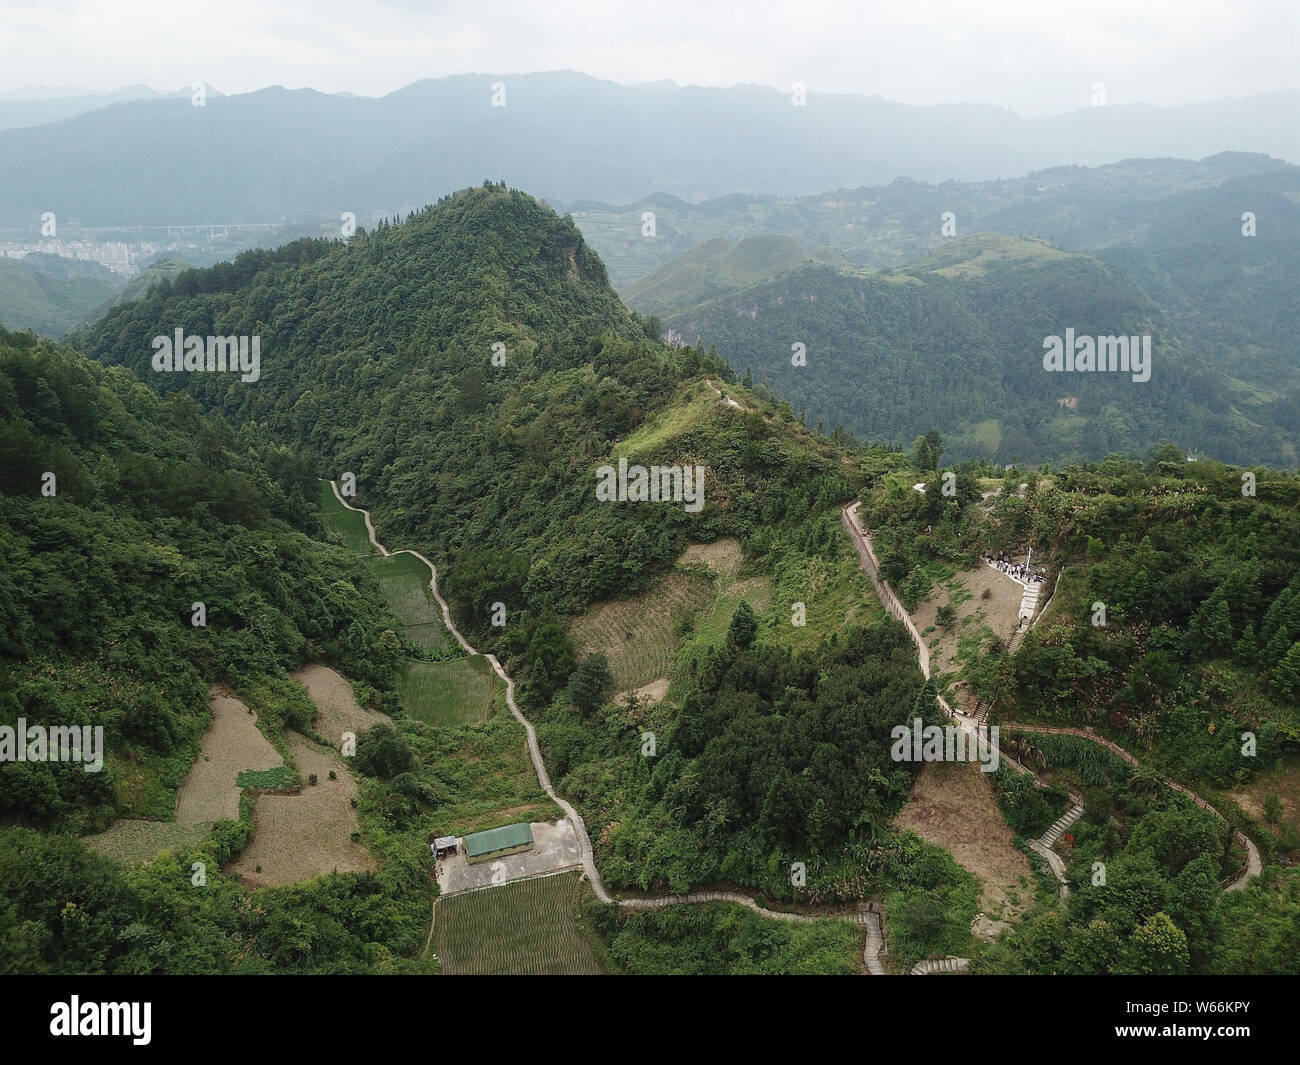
pixel 484 266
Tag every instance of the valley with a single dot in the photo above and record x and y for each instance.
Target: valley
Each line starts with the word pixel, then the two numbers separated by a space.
pixel 805 494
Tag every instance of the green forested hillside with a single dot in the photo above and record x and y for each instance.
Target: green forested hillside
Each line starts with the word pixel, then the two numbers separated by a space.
pixel 717 267
pixel 51 295
pixel 956 341
pixel 151 508
pixel 378 360
pixel 1081 208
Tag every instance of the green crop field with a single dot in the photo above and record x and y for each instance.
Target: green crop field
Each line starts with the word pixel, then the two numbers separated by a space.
pixel 530 927
pixel 404 581
pixel 450 693
pixel 349 524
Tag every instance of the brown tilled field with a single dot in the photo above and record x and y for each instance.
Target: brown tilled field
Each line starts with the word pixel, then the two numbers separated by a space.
pixel 952 806
pixel 339 711
pixel 297 837
pixel 232 743
pixel 209 793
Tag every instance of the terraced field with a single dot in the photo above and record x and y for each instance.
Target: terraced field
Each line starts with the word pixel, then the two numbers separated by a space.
pixel 530 927
pixel 133 842
pixel 232 747
pixel 639 636
pixel 404 581
pixel 349 524
pixel 308 834
pixel 458 692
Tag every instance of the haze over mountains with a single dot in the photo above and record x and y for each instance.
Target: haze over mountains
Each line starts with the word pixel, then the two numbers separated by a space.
pixel 276 154
pixel 599 476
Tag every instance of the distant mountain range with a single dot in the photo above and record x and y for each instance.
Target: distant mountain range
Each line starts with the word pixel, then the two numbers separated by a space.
pixel 280 155
pixel 952 337
pixel 1083 208
pixel 37 107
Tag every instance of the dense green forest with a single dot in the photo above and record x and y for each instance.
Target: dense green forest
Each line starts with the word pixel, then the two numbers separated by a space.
pixel 956 341
pixel 52 295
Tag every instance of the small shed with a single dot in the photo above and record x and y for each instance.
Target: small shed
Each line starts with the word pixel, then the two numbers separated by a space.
pixel 496 842
pixel 444 845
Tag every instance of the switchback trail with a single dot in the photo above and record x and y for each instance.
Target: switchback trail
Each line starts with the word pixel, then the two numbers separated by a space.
pixel 1043 845
pixel 861 917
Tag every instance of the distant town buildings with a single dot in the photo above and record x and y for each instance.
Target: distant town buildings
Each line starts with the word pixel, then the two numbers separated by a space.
pixel 118 255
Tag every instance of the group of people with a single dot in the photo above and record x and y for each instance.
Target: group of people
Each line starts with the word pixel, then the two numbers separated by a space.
pixel 1018 570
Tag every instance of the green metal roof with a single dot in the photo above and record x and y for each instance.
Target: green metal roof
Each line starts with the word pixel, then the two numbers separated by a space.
pixel 497 839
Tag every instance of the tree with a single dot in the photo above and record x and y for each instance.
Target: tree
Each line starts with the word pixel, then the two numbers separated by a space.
pixel 926 451
pixel 744 625
pixel 1157 948
pixel 591 684
pixel 1286 674
pixel 381 752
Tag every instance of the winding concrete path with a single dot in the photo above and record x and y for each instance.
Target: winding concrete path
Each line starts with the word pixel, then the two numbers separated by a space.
pixel 1043 845
pixel 1253 867
pixel 862 917
pixel 534 751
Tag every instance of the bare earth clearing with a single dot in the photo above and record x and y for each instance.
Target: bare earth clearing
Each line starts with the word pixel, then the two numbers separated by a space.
pixel 999 612
pixel 653 692
pixel 952 806
pixel 231 744
pixel 1282 781
pixel 338 709
pixel 297 837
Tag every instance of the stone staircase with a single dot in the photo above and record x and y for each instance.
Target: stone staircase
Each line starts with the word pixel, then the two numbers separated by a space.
pixel 1059 826
pixel 940 965
pixel 875 945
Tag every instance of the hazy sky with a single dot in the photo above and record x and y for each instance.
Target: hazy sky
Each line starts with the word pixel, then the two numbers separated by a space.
pixel 1032 56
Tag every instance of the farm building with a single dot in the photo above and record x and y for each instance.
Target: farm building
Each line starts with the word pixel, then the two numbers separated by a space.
pixel 444 845
pixel 496 842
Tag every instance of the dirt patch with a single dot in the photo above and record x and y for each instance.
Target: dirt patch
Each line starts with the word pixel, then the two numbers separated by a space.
pixel 1282 781
pixel 952 806
pixel 653 692
pixel 297 837
pixel 999 613
pixel 232 743
pixel 339 711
